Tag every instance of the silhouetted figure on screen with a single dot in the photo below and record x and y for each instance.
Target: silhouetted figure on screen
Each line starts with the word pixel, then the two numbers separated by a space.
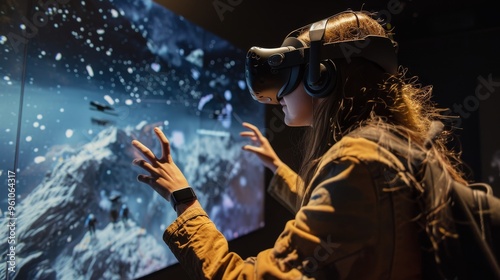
pixel 115 207
pixel 90 223
pixel 124 213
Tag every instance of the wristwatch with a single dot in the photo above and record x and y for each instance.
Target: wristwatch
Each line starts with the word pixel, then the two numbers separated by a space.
pixel 182 196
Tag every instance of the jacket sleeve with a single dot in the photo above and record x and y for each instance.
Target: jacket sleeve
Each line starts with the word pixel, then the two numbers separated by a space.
pixel 284 187
pixel 337 222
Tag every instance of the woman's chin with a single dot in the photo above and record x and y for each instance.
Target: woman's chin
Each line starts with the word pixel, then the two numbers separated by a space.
pixel 292 123
pixel 288 122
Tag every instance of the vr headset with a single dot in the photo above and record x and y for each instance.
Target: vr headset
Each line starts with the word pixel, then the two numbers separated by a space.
pixel 272 73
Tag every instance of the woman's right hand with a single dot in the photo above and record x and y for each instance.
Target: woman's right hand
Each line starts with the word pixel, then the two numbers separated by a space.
pixel 262 147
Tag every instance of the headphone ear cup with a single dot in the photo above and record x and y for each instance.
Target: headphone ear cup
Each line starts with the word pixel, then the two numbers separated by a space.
pixel 326 82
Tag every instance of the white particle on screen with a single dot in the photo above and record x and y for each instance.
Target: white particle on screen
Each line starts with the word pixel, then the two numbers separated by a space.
pixel 39 159
pixel 243 181
pixel 69 133
pixel 61 110
pixel 58 56
pixel 128 102
pixel 36 124
pixel 114 13
pixel 228 95
pixel 29 138
pixel 155 66
pixel 195 74
pixel 90 70
pixel 242 84
pixel 39 116
pixel 109 99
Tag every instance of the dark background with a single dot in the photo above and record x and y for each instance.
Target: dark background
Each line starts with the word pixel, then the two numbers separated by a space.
pixel 447 44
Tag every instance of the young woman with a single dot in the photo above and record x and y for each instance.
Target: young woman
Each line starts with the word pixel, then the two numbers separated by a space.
pixel 358 208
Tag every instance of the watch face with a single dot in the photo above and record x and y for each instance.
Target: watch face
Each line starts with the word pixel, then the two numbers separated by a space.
pixel 183 195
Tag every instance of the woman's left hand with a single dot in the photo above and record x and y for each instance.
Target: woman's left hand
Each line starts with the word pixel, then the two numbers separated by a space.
pixel 164 176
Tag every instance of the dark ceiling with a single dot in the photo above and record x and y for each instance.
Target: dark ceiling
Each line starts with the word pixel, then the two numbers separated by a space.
pixel 265 23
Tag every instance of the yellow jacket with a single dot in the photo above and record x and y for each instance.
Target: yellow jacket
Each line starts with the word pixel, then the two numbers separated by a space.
pixel 353 221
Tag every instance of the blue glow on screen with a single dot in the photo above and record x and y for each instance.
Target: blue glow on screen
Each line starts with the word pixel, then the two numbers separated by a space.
pixel 79 80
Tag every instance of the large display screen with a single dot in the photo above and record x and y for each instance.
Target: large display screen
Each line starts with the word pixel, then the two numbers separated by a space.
pixel 79 80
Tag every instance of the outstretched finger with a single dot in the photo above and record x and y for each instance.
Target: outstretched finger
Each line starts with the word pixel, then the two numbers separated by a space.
pixel 145 179
pixel 249 134
pixel 145 165
pixel 251 148
pixel 165 144
pixel 144 150
pixel 255 130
